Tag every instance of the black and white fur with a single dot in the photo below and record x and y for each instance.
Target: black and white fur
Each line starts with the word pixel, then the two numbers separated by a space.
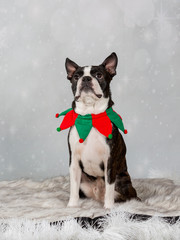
pixel 96 165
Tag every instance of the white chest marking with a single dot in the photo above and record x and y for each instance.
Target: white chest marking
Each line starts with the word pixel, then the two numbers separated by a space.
pixel 98 107
pixel 92 152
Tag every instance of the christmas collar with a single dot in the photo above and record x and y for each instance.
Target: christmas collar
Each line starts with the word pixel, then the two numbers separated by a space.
pixel 84 124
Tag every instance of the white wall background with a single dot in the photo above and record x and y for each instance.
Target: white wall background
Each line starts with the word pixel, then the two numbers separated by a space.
pixel 37 36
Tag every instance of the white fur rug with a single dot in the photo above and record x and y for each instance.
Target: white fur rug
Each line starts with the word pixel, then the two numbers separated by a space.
pixel 27 207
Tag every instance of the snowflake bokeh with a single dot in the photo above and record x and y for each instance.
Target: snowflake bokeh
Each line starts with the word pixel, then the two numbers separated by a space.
pixel 35 39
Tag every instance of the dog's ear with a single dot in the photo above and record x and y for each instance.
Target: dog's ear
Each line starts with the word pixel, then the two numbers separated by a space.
pixel 71 67
pixel 110 64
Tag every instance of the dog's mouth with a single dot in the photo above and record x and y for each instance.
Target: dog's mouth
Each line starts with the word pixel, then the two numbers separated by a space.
pixel 92 90
pixel 98 95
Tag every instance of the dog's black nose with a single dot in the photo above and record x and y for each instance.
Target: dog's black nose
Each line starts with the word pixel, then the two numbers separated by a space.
pixel 87 79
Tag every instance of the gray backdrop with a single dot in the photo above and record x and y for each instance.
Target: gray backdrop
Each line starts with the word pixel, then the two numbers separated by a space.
pixel 35 39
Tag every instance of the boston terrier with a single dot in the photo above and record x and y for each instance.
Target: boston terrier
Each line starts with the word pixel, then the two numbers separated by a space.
pixel 98 166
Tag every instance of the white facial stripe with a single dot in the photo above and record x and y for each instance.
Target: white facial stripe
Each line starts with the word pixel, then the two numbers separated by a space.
pixel 87 71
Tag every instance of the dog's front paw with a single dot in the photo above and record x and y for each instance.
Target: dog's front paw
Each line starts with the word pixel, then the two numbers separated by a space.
pixel 73 203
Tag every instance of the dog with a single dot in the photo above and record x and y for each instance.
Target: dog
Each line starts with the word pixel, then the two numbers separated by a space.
pixel 98 166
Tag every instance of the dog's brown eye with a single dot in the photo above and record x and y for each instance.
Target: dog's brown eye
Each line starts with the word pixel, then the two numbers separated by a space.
pixel 99 75
pixel 76 77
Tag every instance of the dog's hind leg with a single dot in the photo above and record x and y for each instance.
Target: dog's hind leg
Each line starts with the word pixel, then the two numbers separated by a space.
pixel 92 188
pixel 123 186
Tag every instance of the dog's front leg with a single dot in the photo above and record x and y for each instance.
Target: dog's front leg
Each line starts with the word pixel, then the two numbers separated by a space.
pixel 109 192
pixel 75 178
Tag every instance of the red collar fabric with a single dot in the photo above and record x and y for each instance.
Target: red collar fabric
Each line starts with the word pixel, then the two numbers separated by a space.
pixel 102 122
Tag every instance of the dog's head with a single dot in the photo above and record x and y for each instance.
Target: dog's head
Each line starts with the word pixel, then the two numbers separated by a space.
pixel 91 85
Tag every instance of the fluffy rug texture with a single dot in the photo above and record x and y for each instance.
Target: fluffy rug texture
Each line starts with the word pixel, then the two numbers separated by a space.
pixel 27 207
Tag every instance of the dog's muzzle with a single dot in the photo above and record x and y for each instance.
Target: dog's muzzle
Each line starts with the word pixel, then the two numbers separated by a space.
pixel 86 84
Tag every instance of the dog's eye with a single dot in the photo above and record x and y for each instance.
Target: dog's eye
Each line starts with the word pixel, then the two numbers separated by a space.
pixel 99 75
pixel 76 77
